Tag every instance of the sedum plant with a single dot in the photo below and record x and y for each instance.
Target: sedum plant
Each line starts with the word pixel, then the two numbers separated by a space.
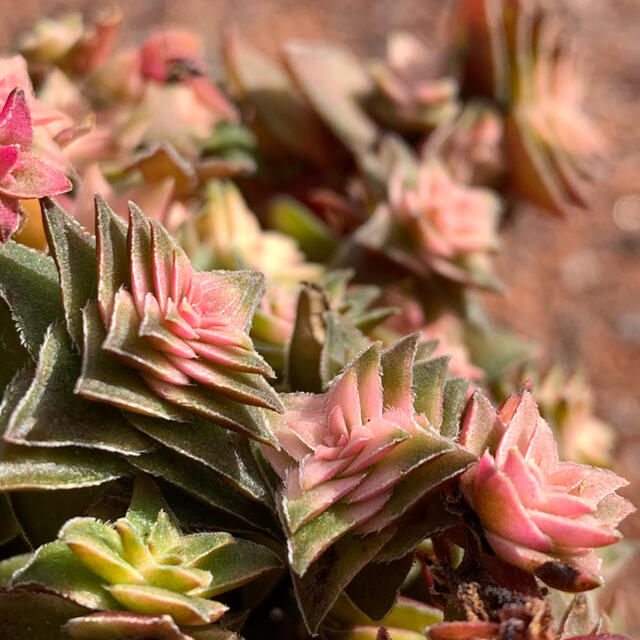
pixel 265 408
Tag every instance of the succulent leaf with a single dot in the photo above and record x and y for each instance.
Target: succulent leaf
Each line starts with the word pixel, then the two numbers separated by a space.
pixel 51 415
pixel 29 287
pixel 74 252
pixel 334 82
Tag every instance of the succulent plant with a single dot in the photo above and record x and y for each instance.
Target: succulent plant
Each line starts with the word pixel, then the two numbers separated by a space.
pixel 292 418
pixel 22 174
pixel 71 389
pixel 411 91
pixel 357 457
pixel 540 514
pixel 70 44
pixel 227 235
pixel 434 224
pixel 515 53
pixel 143 563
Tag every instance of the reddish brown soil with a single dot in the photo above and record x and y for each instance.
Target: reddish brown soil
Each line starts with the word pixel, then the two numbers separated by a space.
pixel 573 285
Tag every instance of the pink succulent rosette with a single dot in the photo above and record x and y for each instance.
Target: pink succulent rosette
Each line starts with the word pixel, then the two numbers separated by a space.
pixel 184 331
pixel 442 225
pixel 350 447
pixel 22 174
pixel 449 218
pixel 539 513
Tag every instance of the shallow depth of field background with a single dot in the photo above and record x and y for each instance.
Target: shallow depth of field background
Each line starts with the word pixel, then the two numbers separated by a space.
pixel 573 286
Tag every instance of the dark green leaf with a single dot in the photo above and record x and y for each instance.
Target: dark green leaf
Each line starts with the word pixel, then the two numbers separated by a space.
pixel 428 387
pixel 74 251
pixel 51 415
pixel 375 589
pixel 49 468
pixel 326 578
pixel 236 564
pixel 454 399
pixel 228 454
pixel 29 285
pixel 342 344
pixel 113 261
pixel 14 355
pixel 103 379
pixel 307 341
pixel 205 484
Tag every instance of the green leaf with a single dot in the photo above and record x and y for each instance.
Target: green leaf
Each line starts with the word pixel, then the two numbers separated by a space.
pixel 103 379
pixel 205 484
pixel 334 82
pixel 51 415
pixel 428 385
pixel 342 344
pixel 418 483
pixel 313 538
pixel 314 237
pixel 236 564
pixel 375 589
pixel 12 351
pixel 244 418
pixel 146 503
pixel 9 566
pixel 426 518
pixel 56 568
pixel 496 350
pixel 113 261
pixel 307 341
pixel 211 445
pixel 397 373
pixel 453 402
pixel 74 251
pixel 59 468
pixel 29 285
pixel 63 468
pixel 35 616
pixel 99 548
pixel 196 548
pixel 318 589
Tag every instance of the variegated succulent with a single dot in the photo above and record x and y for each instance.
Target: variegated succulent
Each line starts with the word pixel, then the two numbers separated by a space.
pixel 515 52
pixel 356 458
pixel 143 563
pixel 323 465
pixel 539 513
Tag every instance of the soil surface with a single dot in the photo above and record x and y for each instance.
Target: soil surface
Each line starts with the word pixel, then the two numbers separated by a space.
pixel 574 284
